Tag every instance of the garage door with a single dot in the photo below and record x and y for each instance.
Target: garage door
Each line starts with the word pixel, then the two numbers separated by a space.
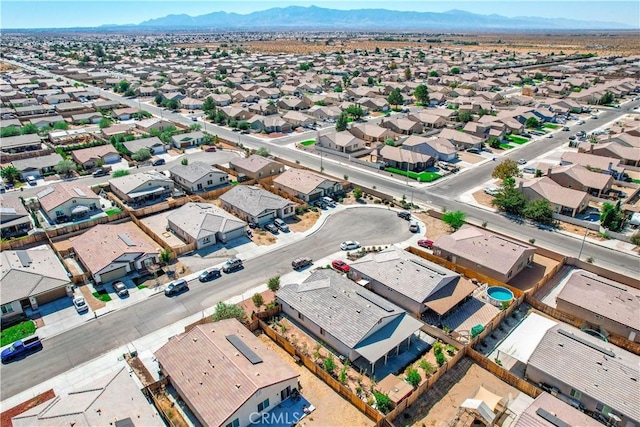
pixel 114 274
pixel 266 218
pixel 52 295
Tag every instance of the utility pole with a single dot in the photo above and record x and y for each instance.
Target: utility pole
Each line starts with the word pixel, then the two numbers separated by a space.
pixel 586 230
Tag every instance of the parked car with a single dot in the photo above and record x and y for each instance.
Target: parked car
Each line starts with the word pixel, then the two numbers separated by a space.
pixel 566 129
pixel 301 262
pixel 80 304
pixel 157 162
pixel 31 180
pixel 120 289
pixel 21 348
pixel 492 191
pixel 529 169
pixel 100 172
pixel 549 135
pixel 425 243
pixel 320 204
pixel 176 287
pixel 473 150
pixel 405 215
pixel 522 162
pixel 572 137
pixel 282 226
pixel 207 275
pixel 349 245
pixel 414 227
pixel 329 201
pixel 271 228
pixel 232 265
pixel 340 265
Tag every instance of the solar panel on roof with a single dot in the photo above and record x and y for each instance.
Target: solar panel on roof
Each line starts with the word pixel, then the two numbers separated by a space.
pixel 45 192
pixel 79 192
pixel 244 349
pixel 7 211
pixel 548 416
pixel 24 258
pixel 126 239
pixel 374 299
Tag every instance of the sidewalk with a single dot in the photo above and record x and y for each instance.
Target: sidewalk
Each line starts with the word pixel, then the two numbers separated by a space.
pixel 147 345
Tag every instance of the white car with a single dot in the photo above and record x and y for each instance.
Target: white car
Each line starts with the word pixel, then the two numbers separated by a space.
pixel 349 245
pixel 80 304
pixel 522 162
pixel 492 191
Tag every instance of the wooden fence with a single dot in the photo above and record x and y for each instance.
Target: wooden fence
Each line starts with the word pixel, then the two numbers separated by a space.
pixel 600 271
pixel 321 373
pixel 22 242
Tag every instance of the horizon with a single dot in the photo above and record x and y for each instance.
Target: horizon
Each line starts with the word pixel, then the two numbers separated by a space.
pixel 97 13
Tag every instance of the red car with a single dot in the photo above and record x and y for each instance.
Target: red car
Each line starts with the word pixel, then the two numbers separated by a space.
pixel 425 243
pixel 340 266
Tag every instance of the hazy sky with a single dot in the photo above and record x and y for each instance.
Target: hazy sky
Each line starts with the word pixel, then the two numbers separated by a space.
pixel 79 13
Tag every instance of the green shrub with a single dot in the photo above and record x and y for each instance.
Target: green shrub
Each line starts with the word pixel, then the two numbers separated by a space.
pixel 427 367
pixel 413 377
pixel 440 359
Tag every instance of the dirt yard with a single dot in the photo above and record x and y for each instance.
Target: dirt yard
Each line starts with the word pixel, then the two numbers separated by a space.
pixel 441 403
pixel 527 278
pixel 303 222
pixel 94 303
pixel 262 238
pixel 469 157
pixel 576 229
pixel 483 198
pixel 248 306
pixel 331 409
pixel 435 227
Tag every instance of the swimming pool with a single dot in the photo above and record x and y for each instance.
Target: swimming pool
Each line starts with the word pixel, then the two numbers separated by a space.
pixel 497 295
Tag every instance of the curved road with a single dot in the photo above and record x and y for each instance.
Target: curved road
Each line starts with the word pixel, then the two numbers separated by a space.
pixel 76 346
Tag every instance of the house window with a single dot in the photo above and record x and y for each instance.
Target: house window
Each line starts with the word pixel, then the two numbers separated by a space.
pixel 575 394
pixel 321 331
pixel 263 405
pixel 7 308
pixel 234 423
pixel 210 182
pixel 300 316
pixel 223 179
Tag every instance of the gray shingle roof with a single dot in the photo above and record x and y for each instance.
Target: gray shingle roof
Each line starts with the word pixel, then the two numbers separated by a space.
pixel 129 183
pixel 253 200
pixel 39 162
pixel 192 172
pixel 407 274
pixel 612 381
pixel 200 220
pixel 339 306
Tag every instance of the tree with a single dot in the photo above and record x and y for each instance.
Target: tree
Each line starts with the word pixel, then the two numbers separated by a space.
pixel 274 284
pixel 129 93
pixel 228 311
pixel 10 173
pixel 395 97
pixel 506 169
pixel 341 122
pixel 407 73
pixel 539 210
pixel 393 65
pixel 65 167
pixel 455 70
pixel 370 81
pixel 243 125
pixel 421 93
pixel 532 123
pixel 607 98
pixel 208 104
pixel 433 73
pixel 538 76
pixel 383 403
pixel 29 128
pixel 413 377
pixel 104 123
pixel 173 104
pixel 263 152
pixel 195 126
pixel 510 199
pixel 165 256
pixel 390 141
pixel 60 126
pixel 612 217
pixel 8 131
pixel 355 111
pixel 493 142
pixel 123 86
pixel 357 193
pixel 464 116
pixel 258 300
pixel 454 219
pixel 141 155
pixel 184 161
pixel 159 99
pixel 329 364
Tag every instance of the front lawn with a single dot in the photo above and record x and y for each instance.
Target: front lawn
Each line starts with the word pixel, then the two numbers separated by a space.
pixel 506 146
pixel 636 181
pixel 113 211
pixel 17 332
pixel 308 142
pixel 102 296
pixel 517 139
pixel 420 177
pixel 550 126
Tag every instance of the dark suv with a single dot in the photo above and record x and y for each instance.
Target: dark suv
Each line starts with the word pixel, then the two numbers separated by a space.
pixel 405 215
pixel 176 287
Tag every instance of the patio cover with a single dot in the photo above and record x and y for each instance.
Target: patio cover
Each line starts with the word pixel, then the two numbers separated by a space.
pixel 79 209
pixel 146 192
pixel 487 397
pixel 449 296
pixel 521 343
pixel 481 408
pixel 387 338
pixel 395 388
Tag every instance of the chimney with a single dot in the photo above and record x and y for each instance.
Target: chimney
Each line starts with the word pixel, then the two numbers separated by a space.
pixel 591 148
pixel 520 184
pixel 610 166
pixel 549 171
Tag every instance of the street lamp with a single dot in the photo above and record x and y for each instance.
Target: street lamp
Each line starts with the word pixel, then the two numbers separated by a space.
pixel 586 230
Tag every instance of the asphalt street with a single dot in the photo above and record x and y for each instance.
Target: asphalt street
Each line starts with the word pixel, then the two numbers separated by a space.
pixel 369 226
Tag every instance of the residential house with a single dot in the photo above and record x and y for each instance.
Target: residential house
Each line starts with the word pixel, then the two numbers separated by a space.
pixel 403 126
pixel 628 155
pixel 353 321
pixel 235 113
pixel 580 178
pixel 225 375
pixel 153 144
pixel 412 282
pixel 564 201
pixel 256 205
pixel 372 133
pixel 30 278
pixel 205 224
pixel 295 118
pixel 323 113
pixel 255 167
pixel 606 305
pixel 124 113
pixel 68 201
pixel 21 143
pixel 601 377
pixel 198 176
pixel 306 185
pixel 269 124
pixel 461 140
pixel 549 411
pixel 37 167
pixel 111 251
pixel 191 103
pixel 86 118
pixel 142 187
pixel 92 157
pixel 46 122
pixel 189 139
pixel 606 165
pixel 431 121
pixel 147 125
pixel 438 148
pixel 14 218
pixel 119 129
pixel 291 103
pixel 406 160
pixel 114 396
pixel 485 252
pixel 344 142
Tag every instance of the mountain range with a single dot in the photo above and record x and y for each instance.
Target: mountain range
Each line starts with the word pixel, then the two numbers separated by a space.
pixel 298 18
